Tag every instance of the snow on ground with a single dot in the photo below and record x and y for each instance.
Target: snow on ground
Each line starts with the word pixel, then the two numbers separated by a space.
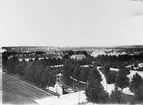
pixel 56 66
pixel 33 59
pixel 56 89
pixel 2 50
pixel 132 72
pixel 130 76
pixel 110 87
pixel 107 87
pixel 80 97
pixel 84 66
pixel 114 69
pixel 103 82
pixel 127 91
pixel 20 60
pixel 68 99
pixel 140 64
pixel 27 59
pixel 41 58
pixel 77 80
pixel 60 74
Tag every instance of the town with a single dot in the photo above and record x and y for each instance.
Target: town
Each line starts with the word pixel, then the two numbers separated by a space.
pixel 73 76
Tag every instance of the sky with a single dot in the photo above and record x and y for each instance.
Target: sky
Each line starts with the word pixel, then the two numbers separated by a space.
pixel 71 22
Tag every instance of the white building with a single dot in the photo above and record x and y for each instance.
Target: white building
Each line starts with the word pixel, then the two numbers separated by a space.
pixel 78 56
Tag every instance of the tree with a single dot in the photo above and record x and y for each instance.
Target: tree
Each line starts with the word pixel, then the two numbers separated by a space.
pixel 68 67
pixel 136 82
pixel 19 68
pixel 111 77
pixel 52 81
pixel 76 72
pixel 45 78
pixel 10 65
pixel 107 69
pixel 136 64
pixel 139 94
pixel 27 68
pixel 16 62
pixel 89 60
pixel 66 56
pixel 85 53
pixel 122 80
pixel 44 62
pixel 31 60
pixel 84 73
pixel 95 92
pixel 115 96
pixel 38 74
pixel 124 71
pixel 94 73
pixel 33 70
pixel 70 53
pixel 4 59
pixel 36 59
pixel 121 66
pixel 30 70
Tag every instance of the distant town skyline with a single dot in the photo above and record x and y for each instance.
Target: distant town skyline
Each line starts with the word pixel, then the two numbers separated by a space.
pixel 71 23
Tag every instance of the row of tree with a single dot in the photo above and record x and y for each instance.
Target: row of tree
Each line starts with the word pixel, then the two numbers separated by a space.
pixel 46 62
pixel 121 59
pixel 34 71
pixel 71 52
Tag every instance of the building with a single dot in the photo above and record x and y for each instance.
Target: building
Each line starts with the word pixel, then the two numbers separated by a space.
pixel 78 56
